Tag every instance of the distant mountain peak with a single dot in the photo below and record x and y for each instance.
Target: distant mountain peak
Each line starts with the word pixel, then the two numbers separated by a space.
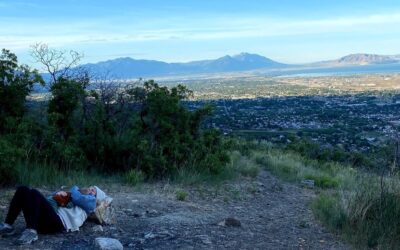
pixel 358 59
pixel 363 59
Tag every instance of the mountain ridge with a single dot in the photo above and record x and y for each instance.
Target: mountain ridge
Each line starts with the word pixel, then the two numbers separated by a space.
pixel 127 67
pixel 359 59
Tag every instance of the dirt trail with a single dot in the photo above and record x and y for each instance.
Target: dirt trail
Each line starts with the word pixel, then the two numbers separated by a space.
pixel 272 214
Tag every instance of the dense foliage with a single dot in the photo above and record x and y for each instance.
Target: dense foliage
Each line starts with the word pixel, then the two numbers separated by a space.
pixel 15 84
pixel 108 127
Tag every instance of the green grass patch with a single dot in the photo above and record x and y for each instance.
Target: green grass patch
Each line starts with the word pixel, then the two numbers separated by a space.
pixel 38 175
pixel 135 177
pixel 323 181
pixel 293 167
pixel 328 209
pixel 192 176
pixel 181 195
pixel 244 165
pixel 241 164
pixel 363 207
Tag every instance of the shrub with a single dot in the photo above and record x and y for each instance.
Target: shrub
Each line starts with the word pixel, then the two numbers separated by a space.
pixel 170 136
pixel 9 157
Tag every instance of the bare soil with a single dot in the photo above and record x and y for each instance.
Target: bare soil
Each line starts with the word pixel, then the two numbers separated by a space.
pixel 272 215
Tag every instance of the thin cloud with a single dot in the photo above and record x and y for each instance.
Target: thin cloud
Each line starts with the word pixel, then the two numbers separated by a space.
pixel 19 34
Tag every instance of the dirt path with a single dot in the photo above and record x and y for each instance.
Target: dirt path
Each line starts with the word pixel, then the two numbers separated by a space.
pixel 272 214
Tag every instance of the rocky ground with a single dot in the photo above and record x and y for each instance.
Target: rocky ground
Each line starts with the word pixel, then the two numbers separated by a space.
pixel 261 213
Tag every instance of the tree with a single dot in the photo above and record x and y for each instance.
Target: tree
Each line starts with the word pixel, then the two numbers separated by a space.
pixel 66 98
pixel 58 63
pixel 170 136
pixel 16 82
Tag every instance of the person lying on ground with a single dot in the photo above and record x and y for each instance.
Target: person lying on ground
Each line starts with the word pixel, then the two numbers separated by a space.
pixel 62 211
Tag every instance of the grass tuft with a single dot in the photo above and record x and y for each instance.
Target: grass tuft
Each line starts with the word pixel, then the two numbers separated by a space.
pixel 135 177
pixel 181 195
pixel 39 175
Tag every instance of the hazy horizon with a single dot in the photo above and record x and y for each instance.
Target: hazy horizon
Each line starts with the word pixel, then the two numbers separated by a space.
pixel 287 31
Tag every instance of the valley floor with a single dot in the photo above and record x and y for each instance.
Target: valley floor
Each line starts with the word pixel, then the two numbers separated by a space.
pixel 273 215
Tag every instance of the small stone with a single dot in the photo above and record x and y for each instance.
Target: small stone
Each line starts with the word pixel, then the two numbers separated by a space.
pixel 108 244
pixel 230 222
pixel 97 228
pixel 149 236
pixel 308 183
pixel 204 239
pixel 151 212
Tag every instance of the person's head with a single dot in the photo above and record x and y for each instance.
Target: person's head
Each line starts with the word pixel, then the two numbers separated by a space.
pixel 90 190
pixel 95 191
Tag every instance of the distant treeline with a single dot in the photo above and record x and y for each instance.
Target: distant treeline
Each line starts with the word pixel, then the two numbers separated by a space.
pixel 140 127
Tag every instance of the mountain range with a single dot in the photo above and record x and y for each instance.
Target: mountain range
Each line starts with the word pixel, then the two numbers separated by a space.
pixel 128 68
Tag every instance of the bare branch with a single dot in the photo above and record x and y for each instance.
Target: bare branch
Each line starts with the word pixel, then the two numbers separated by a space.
pixel 58 63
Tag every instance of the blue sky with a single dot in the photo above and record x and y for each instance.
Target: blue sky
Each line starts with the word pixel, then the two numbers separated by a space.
pixel 176 31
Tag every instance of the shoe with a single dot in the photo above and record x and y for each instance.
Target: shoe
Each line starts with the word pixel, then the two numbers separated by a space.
pixel 6 230
pixel 28 236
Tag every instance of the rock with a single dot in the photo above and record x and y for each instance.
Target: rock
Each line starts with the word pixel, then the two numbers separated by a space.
pixel 230 222
pixel 308 183
pixel 108 244
pixel 149 236
pixel 97 228
pixel 152 213
pixel 205 239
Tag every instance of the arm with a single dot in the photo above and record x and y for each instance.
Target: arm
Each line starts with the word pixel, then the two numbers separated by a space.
pixel 86 202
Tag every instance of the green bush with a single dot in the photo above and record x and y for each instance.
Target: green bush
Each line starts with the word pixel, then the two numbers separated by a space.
pixel 9 157
pixel 171 136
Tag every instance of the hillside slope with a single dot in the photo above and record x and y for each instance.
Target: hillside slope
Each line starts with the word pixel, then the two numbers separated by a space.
pixel 272 214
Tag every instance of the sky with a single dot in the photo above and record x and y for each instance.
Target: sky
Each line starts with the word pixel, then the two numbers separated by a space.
pixel 288 31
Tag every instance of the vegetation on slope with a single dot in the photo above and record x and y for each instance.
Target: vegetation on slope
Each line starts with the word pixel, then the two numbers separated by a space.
pixel 362 206
pixel 102 127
